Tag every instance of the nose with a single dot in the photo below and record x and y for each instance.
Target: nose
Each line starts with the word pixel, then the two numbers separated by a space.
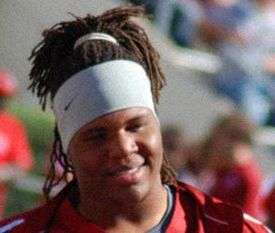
pixel 123 145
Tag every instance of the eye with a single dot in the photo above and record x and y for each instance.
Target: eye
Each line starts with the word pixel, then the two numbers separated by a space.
pixel 135 126
pixel 96 136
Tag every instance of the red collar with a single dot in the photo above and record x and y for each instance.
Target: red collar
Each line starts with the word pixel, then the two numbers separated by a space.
pixel 72 221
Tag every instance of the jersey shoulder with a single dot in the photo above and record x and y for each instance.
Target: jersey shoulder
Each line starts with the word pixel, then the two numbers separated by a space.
pixel 221 216
pixel 35 220
pixel 29 221
pixel 253 225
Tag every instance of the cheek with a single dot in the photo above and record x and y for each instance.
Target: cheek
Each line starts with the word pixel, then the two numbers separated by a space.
pixel 86 163
pixel 154 147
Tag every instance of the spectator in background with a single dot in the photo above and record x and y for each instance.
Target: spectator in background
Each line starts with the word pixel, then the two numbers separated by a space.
pixel 179 19
pixel 238 178
pixel 220 29
pixel 150 5
pixel 195 170
pixel 257 56
pixel 187 160
pixel 173 145
pixel 15 154
pixel 221 19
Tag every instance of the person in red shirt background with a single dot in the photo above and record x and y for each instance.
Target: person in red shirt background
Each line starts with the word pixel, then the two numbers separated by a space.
pixel 238 178
pixel 15 153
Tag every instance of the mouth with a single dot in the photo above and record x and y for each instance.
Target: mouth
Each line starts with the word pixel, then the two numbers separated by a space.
pixel 126 174
pixel 124 170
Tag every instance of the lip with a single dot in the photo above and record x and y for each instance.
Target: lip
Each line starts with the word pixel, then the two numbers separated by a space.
pixel 126 175
pixel 122 169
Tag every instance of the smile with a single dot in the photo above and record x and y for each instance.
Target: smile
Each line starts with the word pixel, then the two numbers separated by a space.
pixel 124 170
pixel 127 175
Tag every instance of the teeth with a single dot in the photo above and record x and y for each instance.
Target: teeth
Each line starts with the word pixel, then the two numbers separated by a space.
pixel 133 170
pixel 124 170
pixel 130 171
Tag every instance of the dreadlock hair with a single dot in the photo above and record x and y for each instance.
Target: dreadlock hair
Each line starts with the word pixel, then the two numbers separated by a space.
pixel 54 60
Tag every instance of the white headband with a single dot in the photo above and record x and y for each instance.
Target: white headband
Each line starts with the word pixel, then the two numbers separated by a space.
pixel 95 36
pixel 98 90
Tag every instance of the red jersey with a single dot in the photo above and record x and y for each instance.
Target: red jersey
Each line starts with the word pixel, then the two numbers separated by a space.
pixel 194 212
pixel 240 186
pixel 269 204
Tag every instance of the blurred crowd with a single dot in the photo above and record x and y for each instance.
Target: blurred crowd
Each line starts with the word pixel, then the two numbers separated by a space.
pixel 241 33
pixel 224 165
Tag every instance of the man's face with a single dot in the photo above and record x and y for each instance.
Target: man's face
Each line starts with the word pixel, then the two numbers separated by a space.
pixel 118 156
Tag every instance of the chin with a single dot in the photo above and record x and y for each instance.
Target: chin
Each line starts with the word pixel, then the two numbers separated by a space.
pixel 131 194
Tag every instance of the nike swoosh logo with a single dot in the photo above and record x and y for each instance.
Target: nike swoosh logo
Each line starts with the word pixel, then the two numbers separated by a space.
pixel 67 106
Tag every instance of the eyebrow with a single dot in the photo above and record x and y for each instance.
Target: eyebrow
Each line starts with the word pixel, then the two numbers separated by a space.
pixel 137 118
pixel 95 130
pixel 141 114
pixel 98 129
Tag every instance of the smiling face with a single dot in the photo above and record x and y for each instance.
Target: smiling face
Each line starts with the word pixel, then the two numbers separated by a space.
pixel 118 156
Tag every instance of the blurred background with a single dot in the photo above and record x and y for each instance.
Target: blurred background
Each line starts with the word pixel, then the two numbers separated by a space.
pixel 217 110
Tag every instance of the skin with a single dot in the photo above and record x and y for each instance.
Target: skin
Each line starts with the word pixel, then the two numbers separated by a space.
pixel 117 161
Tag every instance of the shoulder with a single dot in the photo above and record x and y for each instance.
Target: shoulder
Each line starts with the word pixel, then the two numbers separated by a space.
pixel 9 225
pixel 253 225
pixel 35 220
pixel 30 221
pixel 218 215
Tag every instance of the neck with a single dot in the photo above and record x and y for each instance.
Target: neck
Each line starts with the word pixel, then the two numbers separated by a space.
pixel 120 216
